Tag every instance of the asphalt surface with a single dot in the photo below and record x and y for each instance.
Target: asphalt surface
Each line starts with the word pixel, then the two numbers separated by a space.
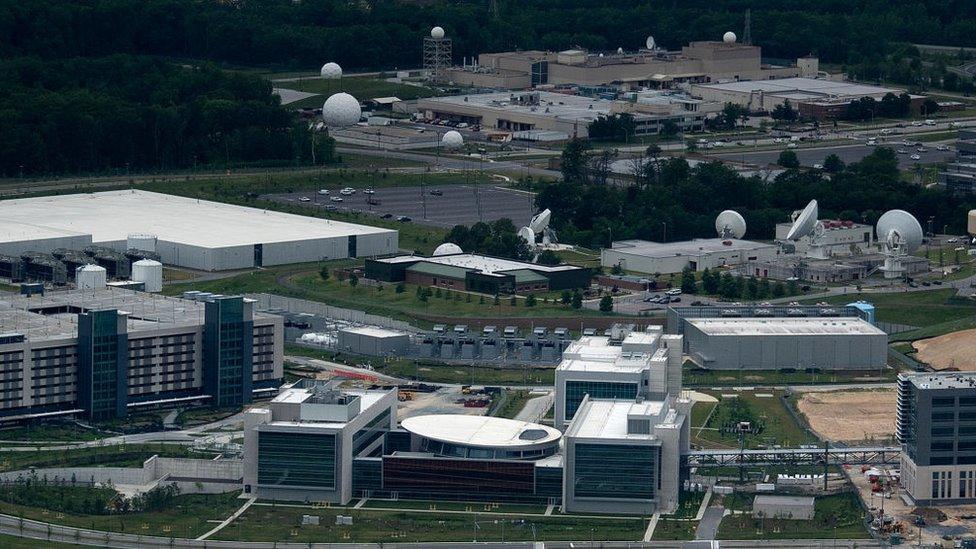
pixel 708 526
pixel 848 153
pixel 462 204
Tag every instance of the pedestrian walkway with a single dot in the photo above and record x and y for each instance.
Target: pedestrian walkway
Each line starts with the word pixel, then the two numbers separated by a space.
pixel 649 533
pixel 229 520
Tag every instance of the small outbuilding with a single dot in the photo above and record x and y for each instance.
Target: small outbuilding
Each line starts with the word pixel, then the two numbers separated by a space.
pixel 373 341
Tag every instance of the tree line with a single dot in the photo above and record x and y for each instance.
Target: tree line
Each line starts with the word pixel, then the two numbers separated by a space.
pixel 677 202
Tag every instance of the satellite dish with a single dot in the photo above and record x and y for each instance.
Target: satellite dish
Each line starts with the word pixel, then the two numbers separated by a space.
pixel 805 222
pixel 341 110
pixel 437 32
pixel 730 224
pixel 528 235
pixel 650 43
pixel 540 221
pixel 452 140
pixel 620 50
pixel 729 37
pixel 900 231
pixel 331 71
pixel 447 248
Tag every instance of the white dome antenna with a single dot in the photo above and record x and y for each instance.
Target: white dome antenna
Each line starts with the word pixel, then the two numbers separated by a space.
pixel 729 37
pixel 331 71
pixel 341 110
pixel 650 43
pixel 730 224
pixel 437 32
pixel 447 248
pixel 452 140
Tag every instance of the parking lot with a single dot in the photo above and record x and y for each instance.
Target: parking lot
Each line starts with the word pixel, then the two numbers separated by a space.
pixel 436 205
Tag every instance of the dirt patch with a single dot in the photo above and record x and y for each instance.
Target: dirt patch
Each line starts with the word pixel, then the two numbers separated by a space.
pixel 850 415
pixel 955 351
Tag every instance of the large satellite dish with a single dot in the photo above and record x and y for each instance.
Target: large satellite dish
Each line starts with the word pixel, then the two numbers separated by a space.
pixel 331 71
pixel 528 235
pixel 452 140
pixel 540 221
pixel 650 43
pixel 730 224
pixel 805 222
pixel 900 231
pixel 447 248
pixel 341 110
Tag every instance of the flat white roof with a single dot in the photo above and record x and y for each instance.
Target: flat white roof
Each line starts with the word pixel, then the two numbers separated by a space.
pixel 696 247
pixel 113 215
pixel 551 105
pixel 783 326
pixel 595 354
pixel 373 331
pixel 809 88
pixel 480 263
pixel 608 418
pixel 480 431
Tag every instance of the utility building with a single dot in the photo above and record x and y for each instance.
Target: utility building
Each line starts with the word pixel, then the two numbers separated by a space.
pixel 647 257
pixel 785 343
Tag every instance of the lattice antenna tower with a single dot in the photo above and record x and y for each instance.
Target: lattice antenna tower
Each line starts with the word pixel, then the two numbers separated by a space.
pixel 438 53
pixel 747 30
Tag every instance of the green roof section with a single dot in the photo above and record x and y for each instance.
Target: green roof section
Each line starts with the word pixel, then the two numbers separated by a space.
pixel 526 276
pixel 437 269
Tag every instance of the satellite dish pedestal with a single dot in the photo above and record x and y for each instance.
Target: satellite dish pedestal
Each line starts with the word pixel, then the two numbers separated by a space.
pixel 902 235
pixel 817 248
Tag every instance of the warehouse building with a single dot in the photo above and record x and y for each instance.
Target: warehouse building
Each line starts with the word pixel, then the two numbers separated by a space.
pixel 811 97
pixel 625 365
pixel 196 234
pixel 702 61
pixel 624 456
pixel 477 273
pixel 100 354
pixel 647 257
pixel 373 341
pixel 840 237
pixel 845 343
pixel 937 431
pixel 677 317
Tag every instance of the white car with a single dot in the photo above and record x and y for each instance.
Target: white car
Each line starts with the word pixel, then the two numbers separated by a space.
pixel 369 191
pixel 915 157
pixel 872 143
pixel 791 146
pixel 930 122
pixel 347 191
pixel 916 123
pixel 902 151
pixel 674 291
pixel 942 148
pixel 921 149
pixel 336 199
pixel 324 192
pixel 304 199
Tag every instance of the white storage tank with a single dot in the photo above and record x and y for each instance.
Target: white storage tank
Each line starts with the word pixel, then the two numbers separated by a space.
pixel 90 277
pixel 150 273
pixel 143 242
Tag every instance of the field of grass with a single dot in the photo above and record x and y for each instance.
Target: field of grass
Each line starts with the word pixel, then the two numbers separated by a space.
pixel 913 308
pixel 13 542
pixel 776 425
pixel 46 432
pixel 264 522
pixel 835 517
pixel 683 530
pixel 697 377
pixel 360 87
pixel 130 455
pixel 202 416
pixel 467 506
pixel 512 405
pixel 189 516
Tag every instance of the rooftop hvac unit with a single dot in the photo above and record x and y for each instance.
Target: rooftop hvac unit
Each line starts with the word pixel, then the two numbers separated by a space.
pixel 150 273
pixel 90 277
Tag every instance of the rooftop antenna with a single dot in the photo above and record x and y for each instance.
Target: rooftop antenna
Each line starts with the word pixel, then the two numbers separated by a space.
pixel 747 29
pixel 900 234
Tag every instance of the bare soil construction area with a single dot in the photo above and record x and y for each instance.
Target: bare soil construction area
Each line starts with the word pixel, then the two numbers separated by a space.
pixel 850 415
pixel 955 351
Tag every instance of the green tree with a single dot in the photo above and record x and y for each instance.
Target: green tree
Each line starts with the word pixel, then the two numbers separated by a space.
pixel 727 287
pixel 833 164
pixel 788 159
pixel 606 304
pixel 324 273
pixel 566 298
pixel 577 300
pixel 353 280
pixel 548 257
pixel 710 281
pixel 784 112
pixel 512 301
pixel 688 283
pixel 530 300
pixel 779 290
pixel 401 287
pixel 574 161
pixel 691 145
pixel 422 294
pixel 617 269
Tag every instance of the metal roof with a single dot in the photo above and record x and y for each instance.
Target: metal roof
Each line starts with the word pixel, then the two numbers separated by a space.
pixel 793 326
pixel 481 431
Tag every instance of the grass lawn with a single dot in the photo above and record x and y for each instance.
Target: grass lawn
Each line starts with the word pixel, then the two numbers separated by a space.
pixel 697 377
pixel 835 517
pixel 513 404
pixel 688 504
pixel 768 414
pixel 469 506
pixel 201 416
pixel 936 329
pixel 360 87
pixel 913 308
pixel 46 432
pixel 130 455
pixel 675 529
pixel 434 373
pixel 189 516
pixel 13 542
pixel 267 523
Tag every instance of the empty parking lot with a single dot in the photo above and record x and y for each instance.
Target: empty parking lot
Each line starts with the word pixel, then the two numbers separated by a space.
pixel 455 205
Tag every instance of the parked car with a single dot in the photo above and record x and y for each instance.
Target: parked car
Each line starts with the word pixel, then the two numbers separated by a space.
pixel 304 199
pixel 336 199
pixel 404 219
pixel 324 192
pixel 369 191
pixel 386 216
pixel 674 291
pixel 437 192
pixel 347 191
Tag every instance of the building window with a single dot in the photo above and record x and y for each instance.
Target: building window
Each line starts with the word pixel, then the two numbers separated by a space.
pixel 297 459
pixel 575 390
pixel 615 471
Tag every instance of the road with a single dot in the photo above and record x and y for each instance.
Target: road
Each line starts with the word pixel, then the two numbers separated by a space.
pixel 536 408
pixel 847 153
pixel 708 526
pixel 455 163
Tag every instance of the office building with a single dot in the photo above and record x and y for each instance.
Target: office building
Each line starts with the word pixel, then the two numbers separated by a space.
pixel 840 237
pixel 187 232
pixel 960 175
pixel 563 114
pixel 624 455
pixel 811 97
pixel 776 343
pixel 477 273
pixel 626 365
pixel 101 354
pixel 647 257
pixel 937 431
pixel 702 61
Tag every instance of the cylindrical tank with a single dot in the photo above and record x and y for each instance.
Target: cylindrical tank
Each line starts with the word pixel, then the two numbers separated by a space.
pixel 150 273
pixel 144 242
pixel 90 277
